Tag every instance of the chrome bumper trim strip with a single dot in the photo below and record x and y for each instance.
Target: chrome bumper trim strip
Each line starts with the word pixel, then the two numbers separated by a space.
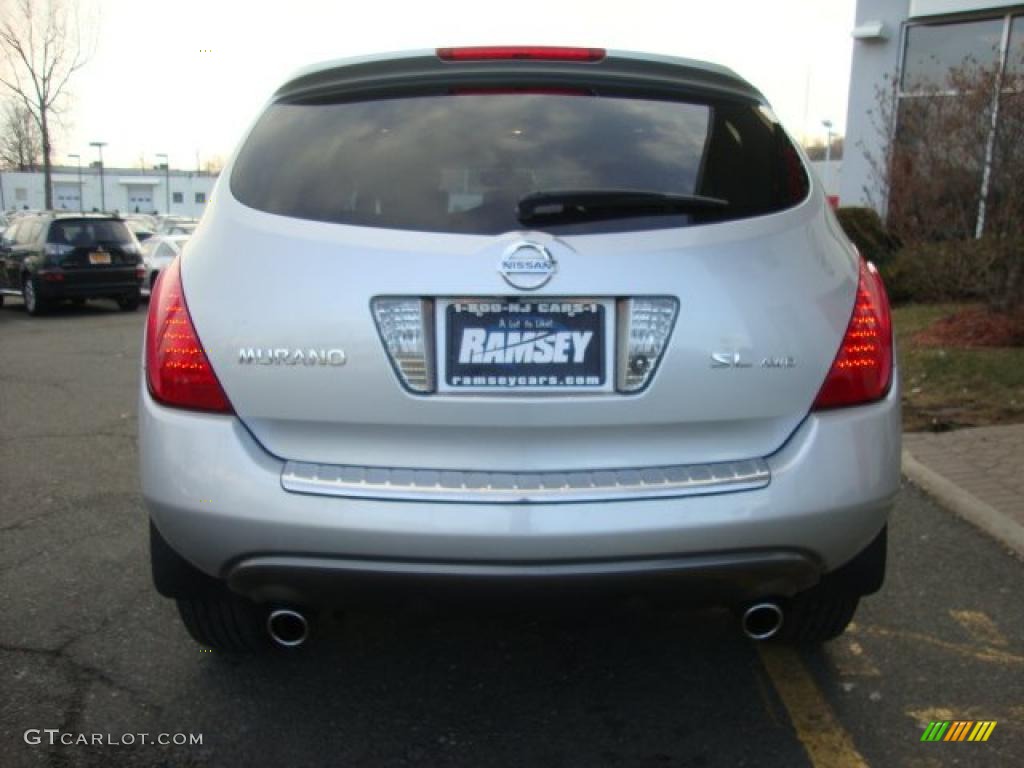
pixel 523 487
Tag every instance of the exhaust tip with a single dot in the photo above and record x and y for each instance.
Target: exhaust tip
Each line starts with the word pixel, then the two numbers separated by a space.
pixel 762 621
pixel 287 628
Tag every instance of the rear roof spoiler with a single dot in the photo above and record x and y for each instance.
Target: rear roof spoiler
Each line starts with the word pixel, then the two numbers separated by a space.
pixel 367 77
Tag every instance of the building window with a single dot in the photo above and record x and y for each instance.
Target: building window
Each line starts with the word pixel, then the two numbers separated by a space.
pixel 178 197
pixel 933 50
pixel 200 197
pixel 954 76
pixel 1015 55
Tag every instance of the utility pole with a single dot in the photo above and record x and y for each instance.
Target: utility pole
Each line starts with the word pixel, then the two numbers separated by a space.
pixel 828 151
pixel 81 196
pixel 103 193
pixel 167 179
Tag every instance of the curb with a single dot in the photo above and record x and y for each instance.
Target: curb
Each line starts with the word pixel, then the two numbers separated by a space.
pixel 971 508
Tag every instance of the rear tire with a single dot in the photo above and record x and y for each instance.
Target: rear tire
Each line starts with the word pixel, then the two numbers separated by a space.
pixel 824 611
pixel 34 304
pixel 213 615
pixel 818 615
pixel 129 303
pixel 225 622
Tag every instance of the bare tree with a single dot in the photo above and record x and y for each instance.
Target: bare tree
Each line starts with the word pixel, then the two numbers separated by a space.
pixel 948 182
pixel 40 49
pixel 816 149
pixel 214 165
pixel 20 146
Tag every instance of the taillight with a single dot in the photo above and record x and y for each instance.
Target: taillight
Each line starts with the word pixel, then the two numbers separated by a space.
pixel 178 371
pixel 527 52
pixel 862 370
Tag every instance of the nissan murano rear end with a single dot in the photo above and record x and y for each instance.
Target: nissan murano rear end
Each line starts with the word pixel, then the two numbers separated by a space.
pixel 550 318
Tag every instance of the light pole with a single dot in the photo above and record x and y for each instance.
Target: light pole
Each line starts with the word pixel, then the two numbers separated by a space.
pixel 828 152
pixel 81 200
pixel 103 194
pixel 167 179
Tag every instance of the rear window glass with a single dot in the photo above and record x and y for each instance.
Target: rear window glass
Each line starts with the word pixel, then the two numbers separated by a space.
pixel 461 162
pixel 84 233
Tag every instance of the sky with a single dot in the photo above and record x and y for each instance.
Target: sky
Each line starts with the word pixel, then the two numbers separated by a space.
pixel 187 77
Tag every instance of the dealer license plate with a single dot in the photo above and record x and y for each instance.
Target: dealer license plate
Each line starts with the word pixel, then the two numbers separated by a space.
pixel 549 345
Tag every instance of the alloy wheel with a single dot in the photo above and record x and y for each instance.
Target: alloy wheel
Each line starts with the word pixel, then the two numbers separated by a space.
pixel 28 293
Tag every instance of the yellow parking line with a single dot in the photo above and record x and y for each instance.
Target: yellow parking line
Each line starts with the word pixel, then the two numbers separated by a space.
pixel 980 627
pixel 850 659
pixel 826 742
pixel 925 716
pixel 981 654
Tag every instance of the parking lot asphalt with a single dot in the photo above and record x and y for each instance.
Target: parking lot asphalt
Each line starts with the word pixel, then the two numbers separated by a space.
pixel 87 646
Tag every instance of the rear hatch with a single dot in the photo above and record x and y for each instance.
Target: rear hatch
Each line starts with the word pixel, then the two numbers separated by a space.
pixel 371 281
pixel 93 250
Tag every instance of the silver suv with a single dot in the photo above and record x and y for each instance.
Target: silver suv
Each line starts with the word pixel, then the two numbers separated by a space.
pixel 555 318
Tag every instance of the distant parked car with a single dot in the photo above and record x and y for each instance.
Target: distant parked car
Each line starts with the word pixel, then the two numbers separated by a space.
pixel 51 257
pixel 150 219
pixel 176 225
pixel 158 252
pixel 142 225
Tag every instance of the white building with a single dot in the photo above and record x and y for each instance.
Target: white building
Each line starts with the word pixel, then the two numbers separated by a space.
pixel 124 189
pixel 915 40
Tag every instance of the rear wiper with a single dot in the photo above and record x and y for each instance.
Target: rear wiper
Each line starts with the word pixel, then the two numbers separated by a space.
pixel 576 204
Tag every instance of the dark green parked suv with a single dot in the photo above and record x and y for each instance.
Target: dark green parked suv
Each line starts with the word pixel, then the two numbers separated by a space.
pixel 47 258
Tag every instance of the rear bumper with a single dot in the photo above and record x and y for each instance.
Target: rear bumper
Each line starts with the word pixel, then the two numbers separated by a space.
pixel 72 287
pixel 217 498
pixel 730 576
